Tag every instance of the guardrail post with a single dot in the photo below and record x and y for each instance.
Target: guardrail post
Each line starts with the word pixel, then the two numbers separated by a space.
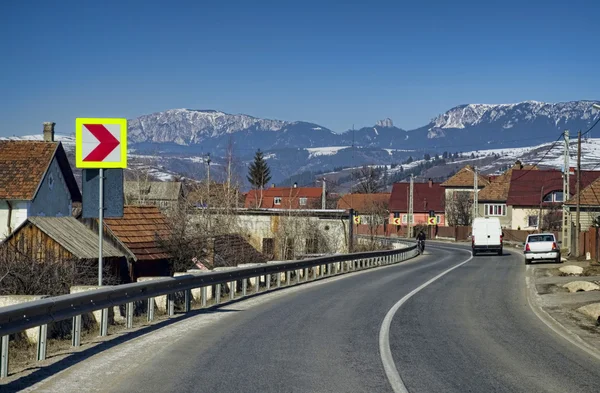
pixel 203 297
pixel 342 266
pixel 187 301
pixel 232 289
pixel 322 269
pixel 257 285
pixel 4 357
pixel 218 294
pixel 171 304
pixel 305 274
pixel 42 342
pixel 104 323
pixel 129 315
pixel 278 279
pixel 268 281
pixel 288 276
pixel 76 331
pixel 244 286
pixel 150 309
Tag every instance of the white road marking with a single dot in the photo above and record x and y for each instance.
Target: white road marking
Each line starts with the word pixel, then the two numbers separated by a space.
pixel 552 323
pixel 384 333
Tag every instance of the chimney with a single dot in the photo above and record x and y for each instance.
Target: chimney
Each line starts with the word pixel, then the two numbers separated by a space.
pixel 295 185
pixel 518 165
pixel 430 182
pixel 49 131
pixel 273 185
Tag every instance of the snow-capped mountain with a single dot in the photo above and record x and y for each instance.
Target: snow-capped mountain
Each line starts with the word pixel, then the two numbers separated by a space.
pixel 482 125
pixel 213 129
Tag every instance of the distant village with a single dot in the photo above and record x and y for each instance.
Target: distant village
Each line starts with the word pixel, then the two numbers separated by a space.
pixel 170 226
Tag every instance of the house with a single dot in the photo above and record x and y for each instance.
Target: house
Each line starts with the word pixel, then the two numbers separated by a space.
pixel 35 180
pixel 427 197
pixel 285 198
pixel 589 209
pixel 367 206
pixel 538 195
pixel 141 233
pixel 458 192
pixel 492 199
pixel 166 195
pixel 58 239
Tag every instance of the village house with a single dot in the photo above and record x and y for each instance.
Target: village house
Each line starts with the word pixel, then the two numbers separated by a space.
pixel 285 198
pixel 62 239
pixel 141 234
pixel 458 189
pixel 589 210
pixel 166 195
pixel 35 180
pixel 372 208
pixel 535 197
pixel 492 199
pixel 427 197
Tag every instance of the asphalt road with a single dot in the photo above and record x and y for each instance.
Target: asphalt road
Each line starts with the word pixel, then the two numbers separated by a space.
pixel 469 331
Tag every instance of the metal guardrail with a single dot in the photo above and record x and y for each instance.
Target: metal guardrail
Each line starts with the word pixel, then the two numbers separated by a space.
pixel 39 313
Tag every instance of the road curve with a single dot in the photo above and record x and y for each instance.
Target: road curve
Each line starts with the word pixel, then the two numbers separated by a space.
pixel 469 331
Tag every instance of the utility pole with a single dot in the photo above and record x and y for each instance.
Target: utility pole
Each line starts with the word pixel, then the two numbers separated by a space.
pixel 577 230
pixel 541 207
pixel 323 199
pixel 208 180
pixel 410 207
pixel 475 196
pixel 566 190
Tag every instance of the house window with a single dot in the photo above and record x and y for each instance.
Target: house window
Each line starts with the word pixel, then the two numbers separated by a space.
pixel 556 196
pixel 396 214
pixel 302 201
pixel 532 221
pixel 494 209
pixel 277 200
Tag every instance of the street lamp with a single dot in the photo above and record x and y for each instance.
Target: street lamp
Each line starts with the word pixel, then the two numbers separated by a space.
pixel 596 106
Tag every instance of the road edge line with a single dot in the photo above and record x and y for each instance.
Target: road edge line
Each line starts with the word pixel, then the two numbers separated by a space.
pixel 385 351
pixel 551 322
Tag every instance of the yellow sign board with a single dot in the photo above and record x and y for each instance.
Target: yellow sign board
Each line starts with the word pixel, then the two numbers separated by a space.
pixel 431 221
pixel 357 219
pixel 396 221
pixel 100 143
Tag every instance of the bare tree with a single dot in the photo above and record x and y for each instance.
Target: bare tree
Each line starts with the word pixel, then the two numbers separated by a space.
pixel 459 209
pixel 375 214
pixel 369 182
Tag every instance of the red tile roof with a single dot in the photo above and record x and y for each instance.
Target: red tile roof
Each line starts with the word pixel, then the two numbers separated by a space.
pixel 425 197
pixel 289 197
pixel 23 165
pixel 465 178
pixel 363 201
pixel 526 187
pixel 141 229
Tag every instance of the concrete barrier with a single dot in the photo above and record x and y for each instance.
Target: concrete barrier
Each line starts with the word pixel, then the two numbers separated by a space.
pixel 31 335
pixel 159 301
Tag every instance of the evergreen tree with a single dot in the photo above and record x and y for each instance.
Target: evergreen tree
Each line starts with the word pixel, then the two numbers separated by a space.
pixel 259 173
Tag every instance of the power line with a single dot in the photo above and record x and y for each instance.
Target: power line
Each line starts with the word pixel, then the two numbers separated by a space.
pixel 592 127
pixel 541 159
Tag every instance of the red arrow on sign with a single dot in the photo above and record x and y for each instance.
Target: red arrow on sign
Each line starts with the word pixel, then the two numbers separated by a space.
pixel 108 142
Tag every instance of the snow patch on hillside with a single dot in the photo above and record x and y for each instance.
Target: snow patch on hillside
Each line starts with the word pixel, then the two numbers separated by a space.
pixel 324 151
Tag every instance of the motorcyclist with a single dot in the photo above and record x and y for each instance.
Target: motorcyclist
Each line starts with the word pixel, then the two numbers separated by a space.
pixel 421 239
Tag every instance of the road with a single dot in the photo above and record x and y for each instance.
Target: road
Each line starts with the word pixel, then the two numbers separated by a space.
pixel 471 330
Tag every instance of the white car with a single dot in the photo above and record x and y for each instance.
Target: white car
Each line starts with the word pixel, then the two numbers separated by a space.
pixel 541 246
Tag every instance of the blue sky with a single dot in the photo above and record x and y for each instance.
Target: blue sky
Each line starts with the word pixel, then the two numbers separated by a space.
pixel 333 64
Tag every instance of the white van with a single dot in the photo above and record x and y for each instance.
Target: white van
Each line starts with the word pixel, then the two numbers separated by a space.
pixel 487 235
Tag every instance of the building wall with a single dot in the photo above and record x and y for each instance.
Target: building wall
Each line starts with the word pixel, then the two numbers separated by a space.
pixel 331 231
pixel 18 216
pixel 419 218
pixel 505 221
pixel 53 198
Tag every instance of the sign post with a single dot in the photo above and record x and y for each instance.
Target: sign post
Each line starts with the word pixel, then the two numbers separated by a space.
pixel 100 144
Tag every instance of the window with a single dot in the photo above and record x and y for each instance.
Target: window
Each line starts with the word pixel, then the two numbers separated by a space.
pixel 540 238
pixel 396 214
pixel 532 221
pixel 302 201
pixel 494 209
pixel 277 200
pixel 556 196
pixel 405 219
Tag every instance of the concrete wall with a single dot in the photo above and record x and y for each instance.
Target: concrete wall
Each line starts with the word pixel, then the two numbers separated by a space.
pixel 333 232
pixel 31 335
pixel 519 217
pixel 53 198
pixel 18 216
